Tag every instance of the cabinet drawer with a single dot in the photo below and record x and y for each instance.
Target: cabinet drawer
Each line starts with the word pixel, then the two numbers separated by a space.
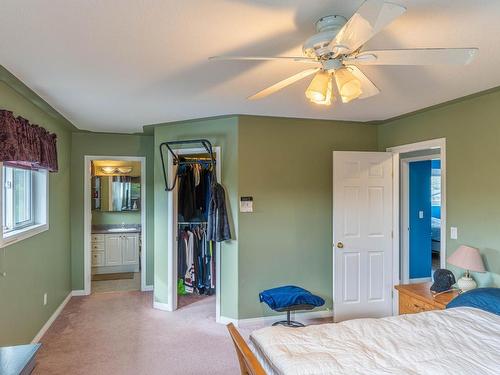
pixel 97 238
pixel 409 305
pixel 98 258
pixel 98 246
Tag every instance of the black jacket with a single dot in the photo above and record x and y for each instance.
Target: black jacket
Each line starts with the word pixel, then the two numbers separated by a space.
pixel 218 222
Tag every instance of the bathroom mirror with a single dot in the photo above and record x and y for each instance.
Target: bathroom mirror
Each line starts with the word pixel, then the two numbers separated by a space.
pixel 116 193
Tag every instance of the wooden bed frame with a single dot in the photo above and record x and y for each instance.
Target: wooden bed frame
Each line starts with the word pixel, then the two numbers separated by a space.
pixel 249 364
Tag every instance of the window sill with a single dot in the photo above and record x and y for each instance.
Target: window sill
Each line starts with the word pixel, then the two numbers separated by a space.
pixel 22 234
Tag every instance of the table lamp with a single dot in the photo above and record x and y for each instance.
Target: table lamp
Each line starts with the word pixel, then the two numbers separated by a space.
pixel 469 259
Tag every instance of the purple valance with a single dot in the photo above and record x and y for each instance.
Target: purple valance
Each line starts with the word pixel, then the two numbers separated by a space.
pixel 26 145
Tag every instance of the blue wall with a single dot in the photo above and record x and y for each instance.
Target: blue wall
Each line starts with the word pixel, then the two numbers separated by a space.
pixel 420 229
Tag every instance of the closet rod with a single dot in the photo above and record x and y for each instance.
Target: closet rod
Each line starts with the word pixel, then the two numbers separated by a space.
pixel 188 162
pixel 191 222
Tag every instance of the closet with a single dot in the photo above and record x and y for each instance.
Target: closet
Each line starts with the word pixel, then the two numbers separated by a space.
pixel 199 218
pixel 196 255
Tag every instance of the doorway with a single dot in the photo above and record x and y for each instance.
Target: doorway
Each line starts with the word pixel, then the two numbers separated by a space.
pixel 180 291
pixel 421 215
pixel 114 224
pixel 420 175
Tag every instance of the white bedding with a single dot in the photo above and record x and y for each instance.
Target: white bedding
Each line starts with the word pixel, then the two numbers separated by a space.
pixel 456 341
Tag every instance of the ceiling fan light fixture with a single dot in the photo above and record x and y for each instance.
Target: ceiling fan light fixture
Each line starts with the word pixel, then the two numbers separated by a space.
pixel 348 85
pixel 320 89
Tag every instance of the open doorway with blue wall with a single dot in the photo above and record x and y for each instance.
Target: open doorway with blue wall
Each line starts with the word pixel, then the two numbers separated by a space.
pixel 421 215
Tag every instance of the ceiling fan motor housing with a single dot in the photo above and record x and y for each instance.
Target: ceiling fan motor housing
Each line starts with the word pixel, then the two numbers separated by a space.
pixel 327 28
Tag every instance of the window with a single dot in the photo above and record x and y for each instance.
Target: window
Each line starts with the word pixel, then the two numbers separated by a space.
pixel 436 187
pixel 23 202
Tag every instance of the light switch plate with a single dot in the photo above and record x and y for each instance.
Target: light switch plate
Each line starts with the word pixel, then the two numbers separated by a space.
pixel 246 204
pixel 454 233
pixel 420 214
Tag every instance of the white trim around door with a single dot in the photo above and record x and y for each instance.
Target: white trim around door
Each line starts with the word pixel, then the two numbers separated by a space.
pixel 439 143
pixel 87 218
pixel 171 305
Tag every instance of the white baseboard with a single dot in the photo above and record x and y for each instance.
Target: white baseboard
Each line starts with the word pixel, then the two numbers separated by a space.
pixel 267 320
pixel 51 320
pixel 148 288
pixel 162 306
pixel 78 293
pixel 225 320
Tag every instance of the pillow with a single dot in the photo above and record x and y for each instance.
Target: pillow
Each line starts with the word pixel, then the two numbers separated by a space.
pixel 487 299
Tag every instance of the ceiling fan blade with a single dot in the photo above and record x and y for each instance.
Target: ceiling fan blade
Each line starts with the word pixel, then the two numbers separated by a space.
pixel 368 88
pixel 266 58
pixel 371 17
pixel 282 84
pixel 424 56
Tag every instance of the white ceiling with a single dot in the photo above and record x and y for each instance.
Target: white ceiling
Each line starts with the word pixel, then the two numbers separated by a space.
pixel 116 65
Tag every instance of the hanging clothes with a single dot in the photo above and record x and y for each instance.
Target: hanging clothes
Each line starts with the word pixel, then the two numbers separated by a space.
pixel 189 277
pixel 202 192
pixel 187 199
pixel 200 262
pixel 218 221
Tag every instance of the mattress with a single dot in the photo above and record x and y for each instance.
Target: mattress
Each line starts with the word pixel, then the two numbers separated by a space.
pixel 456 341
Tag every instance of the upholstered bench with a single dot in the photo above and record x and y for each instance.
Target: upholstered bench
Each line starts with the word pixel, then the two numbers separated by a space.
pixel 290 298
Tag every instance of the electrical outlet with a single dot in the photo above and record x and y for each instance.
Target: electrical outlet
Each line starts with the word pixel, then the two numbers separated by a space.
pixel 420 214
pixel 45 299
pixel 454 233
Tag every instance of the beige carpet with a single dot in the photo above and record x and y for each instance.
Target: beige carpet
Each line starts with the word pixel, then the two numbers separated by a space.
pixel 105 286
pixel 120 333
pixel 112 276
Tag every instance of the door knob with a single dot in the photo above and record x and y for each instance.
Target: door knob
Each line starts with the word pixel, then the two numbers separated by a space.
pixel 340 245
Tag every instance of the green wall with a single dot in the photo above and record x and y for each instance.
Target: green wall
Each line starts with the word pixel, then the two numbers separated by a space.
pixel 104 218
pixel 101 144
pixel 286 165
pixel 287 239
pixel 39 264
pixel 472 131
pixel 221 132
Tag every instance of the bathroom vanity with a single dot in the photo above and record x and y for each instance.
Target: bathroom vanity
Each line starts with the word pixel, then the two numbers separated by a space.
pixel 115 249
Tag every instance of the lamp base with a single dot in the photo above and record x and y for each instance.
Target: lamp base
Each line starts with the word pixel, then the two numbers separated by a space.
pixel 466 283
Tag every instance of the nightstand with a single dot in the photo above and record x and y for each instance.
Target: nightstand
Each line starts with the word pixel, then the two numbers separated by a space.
pixel 415 298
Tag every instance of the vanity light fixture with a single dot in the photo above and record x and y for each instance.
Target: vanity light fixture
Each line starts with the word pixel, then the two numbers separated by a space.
pixel 124 170
pixel 116 170
pixel 108 170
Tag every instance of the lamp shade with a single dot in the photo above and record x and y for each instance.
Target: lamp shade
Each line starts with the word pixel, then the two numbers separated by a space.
pixel 467 258
pixel 320 89
pixel 348 85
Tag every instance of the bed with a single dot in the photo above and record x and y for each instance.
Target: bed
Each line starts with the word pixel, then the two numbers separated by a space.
pixel 464 339
pixel 435 342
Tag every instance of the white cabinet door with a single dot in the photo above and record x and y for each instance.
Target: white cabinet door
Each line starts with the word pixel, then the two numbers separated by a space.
pixel 130 248
pixel 362 217
pixel 113 250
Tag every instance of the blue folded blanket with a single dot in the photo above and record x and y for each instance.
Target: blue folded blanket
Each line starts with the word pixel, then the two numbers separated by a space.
pixel 289 295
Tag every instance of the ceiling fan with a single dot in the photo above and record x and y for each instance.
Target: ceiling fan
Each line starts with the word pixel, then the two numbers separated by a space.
pixel 335 53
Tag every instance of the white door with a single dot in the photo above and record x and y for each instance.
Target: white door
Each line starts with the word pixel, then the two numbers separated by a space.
pixel 362 234
pixel 130 249
pixel 113 250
